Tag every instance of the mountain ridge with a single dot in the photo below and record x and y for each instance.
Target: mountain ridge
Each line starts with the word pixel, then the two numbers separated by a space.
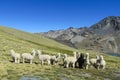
pixel 74 37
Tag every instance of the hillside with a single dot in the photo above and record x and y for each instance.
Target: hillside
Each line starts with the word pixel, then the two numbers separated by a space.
pixel 102 36
pixel 25 42
pixel 19 40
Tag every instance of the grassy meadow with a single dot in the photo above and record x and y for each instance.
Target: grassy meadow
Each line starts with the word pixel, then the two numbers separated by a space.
pixel 23 42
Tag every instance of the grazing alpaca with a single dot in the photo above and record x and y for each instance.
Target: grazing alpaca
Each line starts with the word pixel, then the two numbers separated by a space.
pixel 28 56
pixel 81 60
pixel 43 57
pixel 15 56
pixel 55 59
pixel 86 61
pixel 95 62
pixel 69 60
pixel 102 62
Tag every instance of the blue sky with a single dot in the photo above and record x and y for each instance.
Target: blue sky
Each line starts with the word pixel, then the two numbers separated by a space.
pixel 44 15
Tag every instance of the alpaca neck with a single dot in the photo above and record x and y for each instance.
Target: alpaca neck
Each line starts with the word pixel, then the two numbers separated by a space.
pixel 75 55
pixel 58 57
pixel 87 56
pixel 33 54
pixel 65 57
pixel 12 52
pixel 101 59
pixel 39 55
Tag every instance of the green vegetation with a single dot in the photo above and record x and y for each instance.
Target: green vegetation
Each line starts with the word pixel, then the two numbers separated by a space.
pixel 25 42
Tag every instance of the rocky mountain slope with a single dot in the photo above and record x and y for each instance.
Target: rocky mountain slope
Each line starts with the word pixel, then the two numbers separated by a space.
pixel 70 36
pixel 103 36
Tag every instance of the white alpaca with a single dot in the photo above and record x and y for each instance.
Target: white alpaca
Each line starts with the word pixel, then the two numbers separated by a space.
pixel 65 60
pixel 102 62
pixel 77 54
pixel 69 60
pixel 43 57
pixel 28 56
pixel 86 61
pixel 95 62
pixel 15 56
pixel 56 58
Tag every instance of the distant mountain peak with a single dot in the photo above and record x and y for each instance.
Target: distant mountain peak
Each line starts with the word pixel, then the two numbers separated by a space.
pixel 71 28
pixel 109 23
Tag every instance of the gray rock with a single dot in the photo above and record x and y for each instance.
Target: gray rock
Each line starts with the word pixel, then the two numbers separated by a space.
pixel 97 37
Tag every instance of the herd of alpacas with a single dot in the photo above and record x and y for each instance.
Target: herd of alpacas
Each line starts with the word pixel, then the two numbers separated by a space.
pixel 78 60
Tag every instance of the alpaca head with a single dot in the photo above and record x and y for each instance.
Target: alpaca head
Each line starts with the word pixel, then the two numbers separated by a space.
pixel 39 52
pixel 78 55
pixel 101 57
pixel 97 57
pixel 87 55
pixel 12 51
pixel 33 52
pixel 75 54
pixel 81 58
pixel 58 55
pixel 64 57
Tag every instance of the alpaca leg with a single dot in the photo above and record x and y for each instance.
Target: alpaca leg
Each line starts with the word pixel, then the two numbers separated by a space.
pixel 42 62
pixel 48 62
pixel 64 64
pixel 23 60
pixel 51 62
pixel 18 61
pixel 103 67
pixel 56 62
pixel 73 65
pixel 15 60
pixel 98 67
pixel 67 65
pixel 30 61
pixel 86 66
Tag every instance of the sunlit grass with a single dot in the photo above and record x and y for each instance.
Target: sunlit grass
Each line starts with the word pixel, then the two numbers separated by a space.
pixel 25 42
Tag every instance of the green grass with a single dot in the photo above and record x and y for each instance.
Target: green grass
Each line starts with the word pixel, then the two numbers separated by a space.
pixel 25 42
pixel 20 37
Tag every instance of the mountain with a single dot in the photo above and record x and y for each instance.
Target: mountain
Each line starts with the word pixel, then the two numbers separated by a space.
pixel 23 42
pixel 109 25
pixel 102 36
pixel 70 36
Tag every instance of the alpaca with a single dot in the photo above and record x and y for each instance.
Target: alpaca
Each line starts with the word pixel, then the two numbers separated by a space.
pixel 52 59
pixel 28 56
pixel 43 57
pixel 102 62
pixel 86 61
pixel 81 60
pixel 58 58
pixel 15 56
pixel 64 60
pixel 69 61
pixel 55 59
pixel 95 62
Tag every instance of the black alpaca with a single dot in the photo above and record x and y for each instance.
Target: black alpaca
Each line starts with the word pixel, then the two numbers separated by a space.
pixel 81 60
